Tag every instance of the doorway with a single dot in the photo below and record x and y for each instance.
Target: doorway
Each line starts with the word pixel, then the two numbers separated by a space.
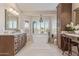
pixel 40 29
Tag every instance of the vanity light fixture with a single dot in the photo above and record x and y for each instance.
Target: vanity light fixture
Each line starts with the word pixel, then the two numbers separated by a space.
pixel 13 11
pixel 10 9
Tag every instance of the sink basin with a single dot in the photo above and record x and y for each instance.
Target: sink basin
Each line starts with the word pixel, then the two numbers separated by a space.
pixel 77 32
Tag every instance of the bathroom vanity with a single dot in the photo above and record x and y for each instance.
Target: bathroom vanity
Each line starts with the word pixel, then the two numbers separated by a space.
pixel 10 44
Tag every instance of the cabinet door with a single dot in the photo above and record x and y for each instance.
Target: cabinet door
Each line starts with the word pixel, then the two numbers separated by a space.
pixel 64 16
pixel 6 45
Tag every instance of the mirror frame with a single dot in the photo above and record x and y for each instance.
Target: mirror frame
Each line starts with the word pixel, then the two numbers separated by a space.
pixel 75 15
pixel 6 21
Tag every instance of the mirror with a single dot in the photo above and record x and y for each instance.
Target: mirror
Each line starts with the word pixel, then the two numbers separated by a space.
pixel 11 21
pixel 76 16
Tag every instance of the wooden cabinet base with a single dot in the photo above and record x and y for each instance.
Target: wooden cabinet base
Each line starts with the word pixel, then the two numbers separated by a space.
pixel 10 44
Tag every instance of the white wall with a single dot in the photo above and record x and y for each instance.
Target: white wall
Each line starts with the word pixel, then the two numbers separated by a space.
pixel 54 25
pixel 2 17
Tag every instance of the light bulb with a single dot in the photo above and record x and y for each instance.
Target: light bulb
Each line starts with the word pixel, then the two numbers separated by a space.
pixel 13 11
pixel 10 9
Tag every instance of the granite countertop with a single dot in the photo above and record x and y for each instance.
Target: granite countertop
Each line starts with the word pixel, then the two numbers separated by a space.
pixel 11 33
pixel 70 33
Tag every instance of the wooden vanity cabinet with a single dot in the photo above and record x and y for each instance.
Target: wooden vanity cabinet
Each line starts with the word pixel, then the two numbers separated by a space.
pixel 11 44
pixel 64 16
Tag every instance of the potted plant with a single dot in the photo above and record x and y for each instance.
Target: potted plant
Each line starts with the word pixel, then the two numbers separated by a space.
pixel 70 27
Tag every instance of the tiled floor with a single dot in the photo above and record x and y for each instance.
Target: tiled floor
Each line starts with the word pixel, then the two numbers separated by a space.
pixel 34 49
pixel 40 47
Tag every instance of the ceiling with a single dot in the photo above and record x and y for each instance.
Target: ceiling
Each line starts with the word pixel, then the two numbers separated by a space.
pixel 25 7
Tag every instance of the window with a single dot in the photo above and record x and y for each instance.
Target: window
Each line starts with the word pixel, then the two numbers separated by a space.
pixel 40 27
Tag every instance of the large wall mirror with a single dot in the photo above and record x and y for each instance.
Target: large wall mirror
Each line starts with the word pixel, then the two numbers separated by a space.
pixel 11 21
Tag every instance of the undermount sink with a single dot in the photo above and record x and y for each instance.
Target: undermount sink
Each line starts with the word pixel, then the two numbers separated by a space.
pixel 77 32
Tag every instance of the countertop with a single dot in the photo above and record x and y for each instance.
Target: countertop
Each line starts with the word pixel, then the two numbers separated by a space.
pixel 11 34
pixel 74 36
pixel 70 33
